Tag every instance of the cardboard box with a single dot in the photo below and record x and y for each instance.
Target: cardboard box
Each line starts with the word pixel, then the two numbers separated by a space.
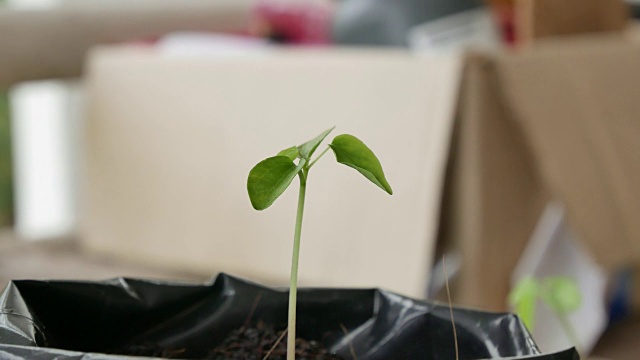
pixel 171 140
pixel 559 121
pixel 539 19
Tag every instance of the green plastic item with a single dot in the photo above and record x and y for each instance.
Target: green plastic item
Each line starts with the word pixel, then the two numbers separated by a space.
pixel 560 294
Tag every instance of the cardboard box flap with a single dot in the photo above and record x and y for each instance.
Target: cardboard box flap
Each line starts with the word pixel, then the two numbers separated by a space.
pixel 560 121
pixel 493 196
pixel 577 105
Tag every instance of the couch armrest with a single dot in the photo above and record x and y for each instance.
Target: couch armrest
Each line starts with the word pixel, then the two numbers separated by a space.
pixel 52 43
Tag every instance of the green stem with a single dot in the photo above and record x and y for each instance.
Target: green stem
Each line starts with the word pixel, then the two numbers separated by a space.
pixel 293 284
pixel 318 158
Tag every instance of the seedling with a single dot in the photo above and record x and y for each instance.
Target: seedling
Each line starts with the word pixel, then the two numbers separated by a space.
pixel 271 177
pixel 560 294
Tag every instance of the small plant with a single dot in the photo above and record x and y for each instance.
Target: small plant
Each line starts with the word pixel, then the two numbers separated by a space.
pixel 271 177
pixel 560 294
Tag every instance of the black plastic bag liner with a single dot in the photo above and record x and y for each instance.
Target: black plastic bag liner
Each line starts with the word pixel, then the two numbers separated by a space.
pixel 66 320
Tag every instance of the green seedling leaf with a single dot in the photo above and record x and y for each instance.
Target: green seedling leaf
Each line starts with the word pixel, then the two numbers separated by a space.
pixel 523 299
pixel 307 149
pixel 561 294
pixel 291 153
pixel 270 178
pixel 354 153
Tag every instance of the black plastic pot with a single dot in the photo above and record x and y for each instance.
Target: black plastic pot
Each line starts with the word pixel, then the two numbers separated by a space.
pixel 66 320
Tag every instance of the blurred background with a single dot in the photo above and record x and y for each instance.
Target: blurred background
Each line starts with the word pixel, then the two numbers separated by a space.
pixel 508 130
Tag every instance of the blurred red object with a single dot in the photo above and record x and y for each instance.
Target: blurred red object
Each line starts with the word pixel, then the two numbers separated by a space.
pixel 295 22
pixel 503 11
pixel 505 16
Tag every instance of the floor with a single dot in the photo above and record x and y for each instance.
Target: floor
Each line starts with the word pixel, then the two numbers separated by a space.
pixel 62 259
pixel 620 342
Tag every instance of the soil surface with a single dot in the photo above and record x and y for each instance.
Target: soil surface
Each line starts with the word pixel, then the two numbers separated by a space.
pixel 255 342
pixel 247 343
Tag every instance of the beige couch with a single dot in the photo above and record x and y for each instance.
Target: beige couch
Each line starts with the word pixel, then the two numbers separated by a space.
pixel 44 44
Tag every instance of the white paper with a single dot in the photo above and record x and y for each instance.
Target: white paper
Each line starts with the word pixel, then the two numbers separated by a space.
pixel 211 44
pixel 555 251
pixel 469 29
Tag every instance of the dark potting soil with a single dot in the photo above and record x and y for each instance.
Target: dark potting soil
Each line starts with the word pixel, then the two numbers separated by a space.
pixel 255 342
pixel 247 343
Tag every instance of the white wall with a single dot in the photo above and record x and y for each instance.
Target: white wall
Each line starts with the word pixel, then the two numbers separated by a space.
pixel 44 129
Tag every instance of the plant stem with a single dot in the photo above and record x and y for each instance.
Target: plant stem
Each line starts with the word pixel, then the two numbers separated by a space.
pixel 453 321
pixel 318 158
pixel 293 283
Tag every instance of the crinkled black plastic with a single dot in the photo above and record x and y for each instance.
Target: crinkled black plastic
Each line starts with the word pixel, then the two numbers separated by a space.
pixel 66 320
